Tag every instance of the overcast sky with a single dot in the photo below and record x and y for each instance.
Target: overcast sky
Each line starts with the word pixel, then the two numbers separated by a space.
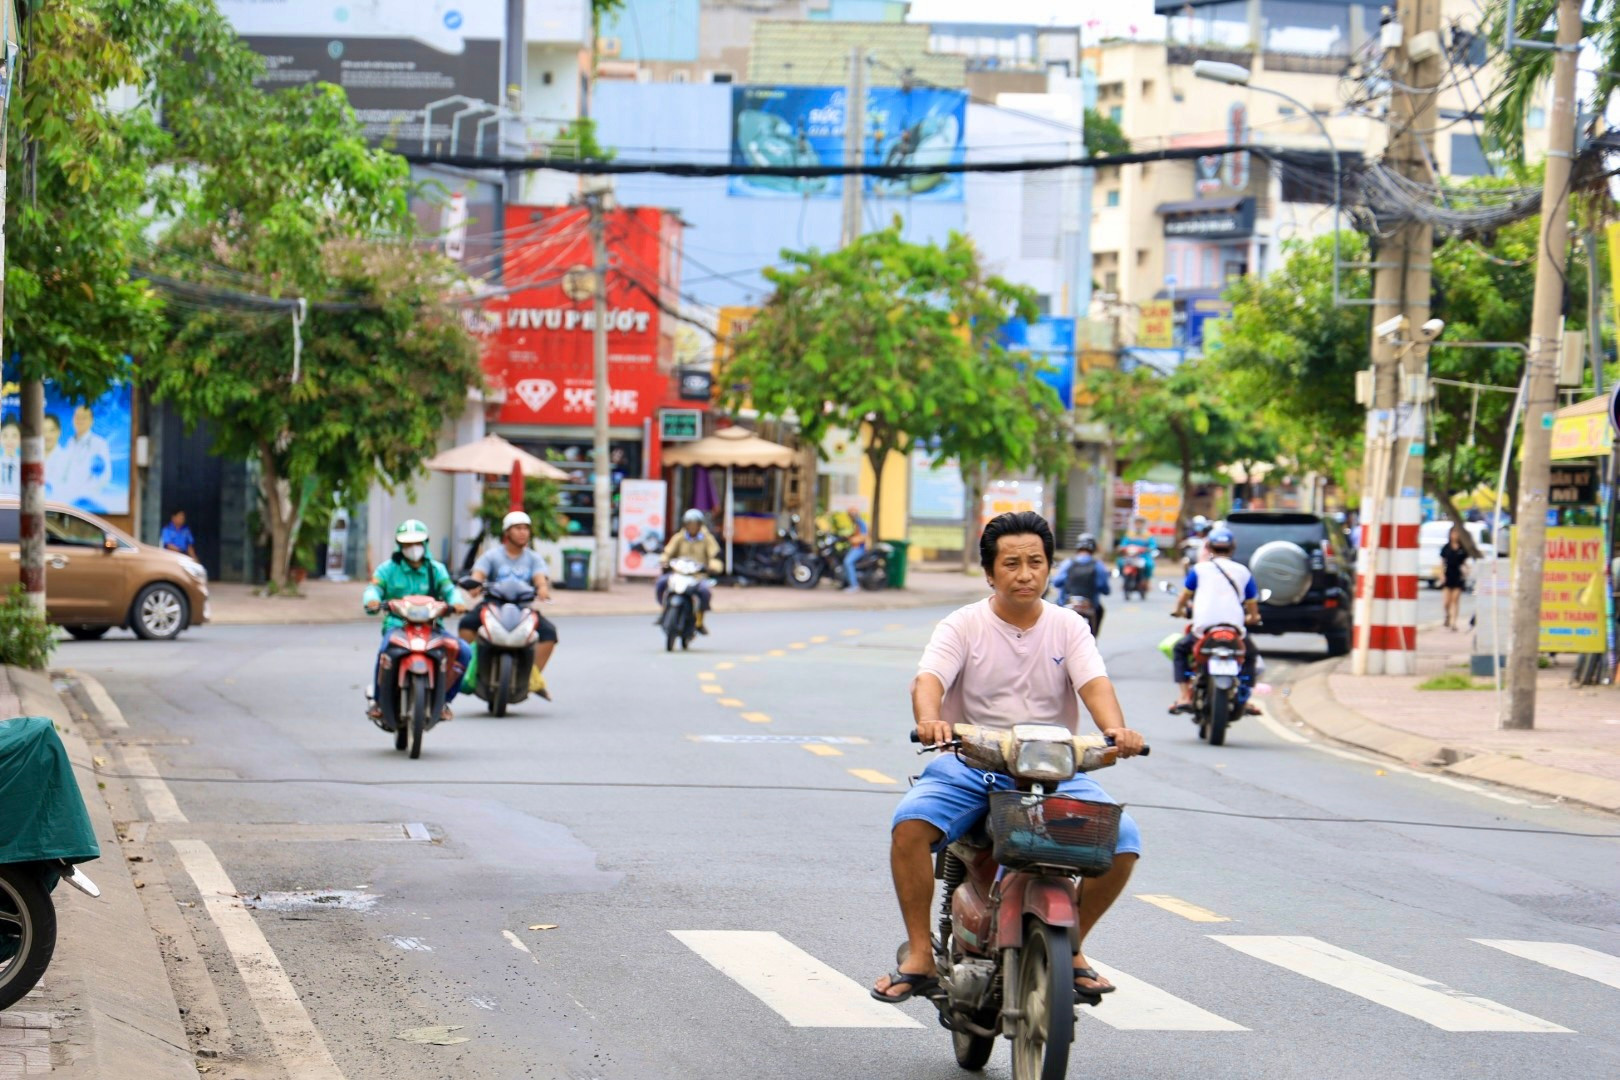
pixel 1097 18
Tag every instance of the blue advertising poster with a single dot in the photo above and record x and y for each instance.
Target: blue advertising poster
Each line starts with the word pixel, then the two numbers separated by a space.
pixel 1050 342
pixel 804 125
pixel 86 448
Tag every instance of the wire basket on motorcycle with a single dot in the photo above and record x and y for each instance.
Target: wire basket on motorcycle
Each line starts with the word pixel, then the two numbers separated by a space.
pixel 1030 830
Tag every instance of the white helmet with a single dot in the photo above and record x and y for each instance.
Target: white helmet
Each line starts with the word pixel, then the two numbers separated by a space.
pixel 516 517
pixel 691 516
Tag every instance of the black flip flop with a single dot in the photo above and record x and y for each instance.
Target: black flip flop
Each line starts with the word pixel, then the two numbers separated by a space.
pixel 916 986
pixel 1090 995
pixel 1179 708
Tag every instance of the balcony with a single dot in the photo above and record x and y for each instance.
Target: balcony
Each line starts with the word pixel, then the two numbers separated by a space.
pixel 1304 63
pixel 1187 55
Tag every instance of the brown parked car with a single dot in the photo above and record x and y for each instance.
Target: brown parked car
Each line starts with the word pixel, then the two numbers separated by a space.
pixel 96 577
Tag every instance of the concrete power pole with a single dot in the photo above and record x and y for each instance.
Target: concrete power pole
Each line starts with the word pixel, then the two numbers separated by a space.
pixel 1392 468
pixel 854 144
pixel 603 563
pixel 1541 389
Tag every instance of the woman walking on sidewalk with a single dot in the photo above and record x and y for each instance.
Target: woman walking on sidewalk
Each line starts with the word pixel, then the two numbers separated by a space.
pixel 1454 558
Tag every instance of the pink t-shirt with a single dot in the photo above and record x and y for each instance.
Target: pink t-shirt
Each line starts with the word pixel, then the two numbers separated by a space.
pixel 996 675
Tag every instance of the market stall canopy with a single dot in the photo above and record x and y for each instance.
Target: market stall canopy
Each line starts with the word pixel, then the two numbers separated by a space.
pixel 733 447
pixel 493 456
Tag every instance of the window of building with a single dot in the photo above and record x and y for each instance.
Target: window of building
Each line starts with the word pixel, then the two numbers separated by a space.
pixel 1042 209
pixel 1141 257
pixel 722 75
pixel 1468 157
pixel 1111 281
pixel 1307 175
pixel 1535 117
pixel 1112 198
pixel 1147 88
pixel 1116 113
pixel 1307 27
pixel 1059 66
pixel 1223 24
pixel 680 75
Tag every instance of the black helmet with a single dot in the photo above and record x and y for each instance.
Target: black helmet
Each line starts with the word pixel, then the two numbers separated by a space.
pixel 1087 542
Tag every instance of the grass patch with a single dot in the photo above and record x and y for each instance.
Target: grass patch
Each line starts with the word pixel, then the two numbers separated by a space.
pixel 1454 680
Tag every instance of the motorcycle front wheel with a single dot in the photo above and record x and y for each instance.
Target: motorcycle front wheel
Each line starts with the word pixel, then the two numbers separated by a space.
pixel 501 692
pixel 27 931
pixel 972 1051
pixel 420 697
pixel 1040 1049
pixel 803 572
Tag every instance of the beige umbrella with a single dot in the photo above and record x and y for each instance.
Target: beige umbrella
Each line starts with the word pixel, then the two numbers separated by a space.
pixel 731 448
pixel 493 456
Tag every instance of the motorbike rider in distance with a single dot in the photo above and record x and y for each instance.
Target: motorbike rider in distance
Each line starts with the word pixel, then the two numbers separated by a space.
pixel 1219 591
pixel 515 559
pixel 692 542
pixel 1083 575
pixel 410 571
pixel 1140 537
pixel 1009 659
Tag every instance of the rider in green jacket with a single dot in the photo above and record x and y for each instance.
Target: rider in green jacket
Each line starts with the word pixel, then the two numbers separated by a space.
pixel 412 572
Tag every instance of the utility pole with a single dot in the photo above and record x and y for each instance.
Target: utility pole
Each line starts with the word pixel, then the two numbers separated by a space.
pixel 596 201
pixel 514 59
pixel 31 422
pixel 1385 613
pixel 1541 383
pixel 854 144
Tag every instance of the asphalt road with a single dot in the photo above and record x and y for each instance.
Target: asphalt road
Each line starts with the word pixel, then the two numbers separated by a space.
pixel 710 886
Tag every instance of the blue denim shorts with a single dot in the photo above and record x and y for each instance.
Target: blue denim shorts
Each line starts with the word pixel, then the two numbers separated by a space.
pixel 952 798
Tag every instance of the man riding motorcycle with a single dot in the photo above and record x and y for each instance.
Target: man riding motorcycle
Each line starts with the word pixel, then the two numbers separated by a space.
pixel 1219 591
pixel 1009 659
pixel 1140 537
pixel 692 542
pixel 1083 574
pixel 515 559
pixel 412 572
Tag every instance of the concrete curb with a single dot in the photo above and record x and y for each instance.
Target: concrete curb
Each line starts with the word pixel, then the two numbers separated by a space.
pixel 1310 700
pixel 121 1017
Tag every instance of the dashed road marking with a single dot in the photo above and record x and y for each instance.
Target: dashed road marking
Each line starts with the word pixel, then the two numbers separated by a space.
pixel 894 626
pixel 797 645
pixel 1423 999
pixel 850 633
pixel 750 659
pixel 792 983
pixel 1575 959
pixel 731 702
pixel 823 750
pixel 724 665
pixel 777 652
pixel 706 676
pixel 712 688
pixel 757 717
pixel 1181 907
pixel 819 639
pixel 872 776
pixel 1140 1006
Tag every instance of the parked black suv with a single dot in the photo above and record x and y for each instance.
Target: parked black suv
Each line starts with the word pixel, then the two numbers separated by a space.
pixel 1306 562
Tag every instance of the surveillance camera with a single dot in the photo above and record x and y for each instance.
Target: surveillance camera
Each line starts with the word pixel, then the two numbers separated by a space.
pixel 1390 327
pixel 1431 329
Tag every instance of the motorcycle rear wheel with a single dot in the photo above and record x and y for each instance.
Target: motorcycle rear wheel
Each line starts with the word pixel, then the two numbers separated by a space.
pixel 27 931
pixel 1040 1049
pixel 502 690
pixel 1219 713
pixel 419 711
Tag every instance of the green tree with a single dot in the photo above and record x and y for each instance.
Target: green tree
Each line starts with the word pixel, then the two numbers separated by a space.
pixel 1103 136
pixel 897 339
pixel 1524 72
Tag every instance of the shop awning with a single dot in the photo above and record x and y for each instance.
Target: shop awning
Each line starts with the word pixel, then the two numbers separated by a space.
pixel 493 456
pixel 733 447
pixel 1200 206
pixel 1582 430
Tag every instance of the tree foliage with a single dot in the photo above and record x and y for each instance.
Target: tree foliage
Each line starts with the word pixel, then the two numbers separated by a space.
pixel 1524 72
pixel 1103 136
pixel 899 339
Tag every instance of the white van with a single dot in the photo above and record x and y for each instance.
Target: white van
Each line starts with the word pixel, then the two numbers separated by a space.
pixel 1432 536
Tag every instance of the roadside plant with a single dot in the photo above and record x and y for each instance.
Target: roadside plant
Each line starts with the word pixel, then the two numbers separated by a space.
pixel 26 639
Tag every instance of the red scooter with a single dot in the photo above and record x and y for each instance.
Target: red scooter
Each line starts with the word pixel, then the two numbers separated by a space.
pixel 1009 913
pixel 416 671
pixel 1133 570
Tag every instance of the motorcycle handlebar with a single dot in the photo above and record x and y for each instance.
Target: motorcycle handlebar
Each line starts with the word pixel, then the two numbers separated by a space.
pixel 1144 752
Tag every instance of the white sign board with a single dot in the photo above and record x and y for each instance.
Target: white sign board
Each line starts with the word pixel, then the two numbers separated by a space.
pixel 642 527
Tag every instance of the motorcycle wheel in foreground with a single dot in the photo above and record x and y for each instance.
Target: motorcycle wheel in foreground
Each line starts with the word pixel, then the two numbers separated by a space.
pixel 678 623
pixel 48 831
pixel 1008 913
pixel 414 671
pixel 507 633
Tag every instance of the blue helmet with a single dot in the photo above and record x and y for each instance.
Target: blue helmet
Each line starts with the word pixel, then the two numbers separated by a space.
pixel 1221 538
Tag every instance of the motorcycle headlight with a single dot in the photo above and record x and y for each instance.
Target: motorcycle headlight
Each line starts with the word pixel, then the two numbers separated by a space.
pixel 196 569
pixel 1043 759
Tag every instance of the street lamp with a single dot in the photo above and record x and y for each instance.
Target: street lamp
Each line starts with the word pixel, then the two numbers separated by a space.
pixel 1237 75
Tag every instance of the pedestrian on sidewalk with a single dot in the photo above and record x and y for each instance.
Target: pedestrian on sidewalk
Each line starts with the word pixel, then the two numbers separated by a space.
pixel 857 551
pixel 1454 559
pixel 177 537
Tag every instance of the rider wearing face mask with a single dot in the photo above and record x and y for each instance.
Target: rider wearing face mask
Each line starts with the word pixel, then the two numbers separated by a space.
pixel 411 572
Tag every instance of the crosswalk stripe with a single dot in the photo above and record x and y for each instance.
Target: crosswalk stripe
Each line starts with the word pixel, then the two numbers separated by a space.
pixel 798 987
pixel 1140 1006
pixel 1575 959
pixel 1423 999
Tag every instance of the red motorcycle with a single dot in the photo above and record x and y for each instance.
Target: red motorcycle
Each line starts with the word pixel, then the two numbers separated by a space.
pixel 416 671
pixel 1133 570
pixel 1009 913
pixel 1219 693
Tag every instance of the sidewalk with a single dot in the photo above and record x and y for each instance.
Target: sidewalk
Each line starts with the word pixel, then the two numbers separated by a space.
pixel 328 602
pixel 1572 753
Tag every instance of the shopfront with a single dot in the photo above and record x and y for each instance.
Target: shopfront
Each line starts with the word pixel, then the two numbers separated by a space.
pixel 1579 581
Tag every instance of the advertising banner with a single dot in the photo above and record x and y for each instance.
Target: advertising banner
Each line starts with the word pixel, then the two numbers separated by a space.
pixel 642 528
pixel 1049 341
pixel 937 494
pixel 392 59
pixel 1572 588
pixel 1156 325
pixel 804 125
pixel 86 448
pixel 1161 505
pixel 1013 497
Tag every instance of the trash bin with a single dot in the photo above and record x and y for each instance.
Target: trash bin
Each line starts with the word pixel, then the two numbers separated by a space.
pixel 897 563
pixel 576 569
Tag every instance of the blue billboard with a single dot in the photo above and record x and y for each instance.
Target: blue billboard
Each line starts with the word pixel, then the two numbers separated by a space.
pixel 804 125
pixel 1049 341
pixel 87 447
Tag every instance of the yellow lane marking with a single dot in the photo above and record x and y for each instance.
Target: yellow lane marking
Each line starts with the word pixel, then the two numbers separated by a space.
pixel 798 645
pixel 823 750
pixel 706 676
pixel 724 665
pixel 777 652
pixel 748 660
pixel 756 717
pixel 711 688
pixel 872 776
pixel 895 626
pixel 1182 908
pixel 851 633
pixel 819 639
pixel 731 702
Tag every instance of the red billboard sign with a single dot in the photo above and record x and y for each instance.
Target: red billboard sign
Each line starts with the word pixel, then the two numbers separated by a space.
pixel 539 343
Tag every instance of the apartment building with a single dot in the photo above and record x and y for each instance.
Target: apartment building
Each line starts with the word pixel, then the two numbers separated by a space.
pixel 1181 230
